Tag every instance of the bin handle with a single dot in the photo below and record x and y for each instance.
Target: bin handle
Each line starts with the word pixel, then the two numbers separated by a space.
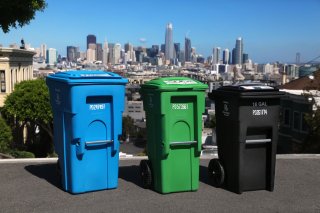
pixel 268 140
pixel 96 143
pixel 177 143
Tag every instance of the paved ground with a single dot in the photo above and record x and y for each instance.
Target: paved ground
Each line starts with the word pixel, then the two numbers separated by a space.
pixel 32 187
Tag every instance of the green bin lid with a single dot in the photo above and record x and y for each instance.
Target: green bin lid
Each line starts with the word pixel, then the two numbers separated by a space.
pixel 174 84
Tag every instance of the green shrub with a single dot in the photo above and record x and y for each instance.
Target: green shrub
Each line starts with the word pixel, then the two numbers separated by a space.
pixel 22 154
pixel 5 136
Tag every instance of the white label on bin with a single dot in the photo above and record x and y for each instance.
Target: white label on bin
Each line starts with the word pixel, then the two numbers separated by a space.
pixel 259 112
pixel 95 107
pixel 179 82
pixel 225 110
pixel 95 75
pixel 180 106
pixel 259 104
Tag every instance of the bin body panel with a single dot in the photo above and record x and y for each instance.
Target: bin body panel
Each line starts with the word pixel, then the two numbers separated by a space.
pixel 247 134
pixel 174 122
pixel 87 123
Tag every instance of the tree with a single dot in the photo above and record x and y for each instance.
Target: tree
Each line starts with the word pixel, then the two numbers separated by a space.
pixel 29 106
pixel 5 136
pixel 312 144
pixel 17 12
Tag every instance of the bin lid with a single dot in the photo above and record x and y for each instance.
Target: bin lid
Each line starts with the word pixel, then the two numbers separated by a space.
pixel 247 90
pixel 88 76
pixel 174 84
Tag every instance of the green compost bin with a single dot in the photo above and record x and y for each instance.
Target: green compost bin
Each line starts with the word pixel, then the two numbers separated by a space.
pixel 174 107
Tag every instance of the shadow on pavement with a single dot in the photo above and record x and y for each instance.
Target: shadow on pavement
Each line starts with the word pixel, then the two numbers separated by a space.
pixel 203 176
pixel 45 171
pixel 130 174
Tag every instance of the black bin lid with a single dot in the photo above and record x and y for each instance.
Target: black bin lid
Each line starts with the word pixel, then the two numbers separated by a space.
pixel 248 90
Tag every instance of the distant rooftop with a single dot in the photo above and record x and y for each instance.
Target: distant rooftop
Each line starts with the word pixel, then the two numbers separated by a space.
pixel 310 82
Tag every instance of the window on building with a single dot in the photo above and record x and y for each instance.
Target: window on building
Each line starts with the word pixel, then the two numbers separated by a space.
pixel 2 81
pixel 286 117
pixel 296 120
pixel 304 125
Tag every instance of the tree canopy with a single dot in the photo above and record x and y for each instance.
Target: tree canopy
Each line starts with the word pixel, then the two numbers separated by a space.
pixel 5 136
pixel 18 13
pixel 30 102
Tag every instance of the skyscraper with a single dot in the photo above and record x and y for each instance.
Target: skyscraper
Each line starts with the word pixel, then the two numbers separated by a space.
pixel 216 55
pixel 99 53
pixel 226 56
pixel 71 53
pixel 177 50
pixel 43 51
pixel 187 49
pixel 116 53
pixel 51 56
pixel 238 51
pixel 105 53
pixel 91 39
pixel 169 42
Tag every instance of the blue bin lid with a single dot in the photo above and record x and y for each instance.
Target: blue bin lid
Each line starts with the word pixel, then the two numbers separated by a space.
pixel 88 77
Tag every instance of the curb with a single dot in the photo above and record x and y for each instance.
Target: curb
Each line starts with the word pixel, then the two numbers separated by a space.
pixel 204 157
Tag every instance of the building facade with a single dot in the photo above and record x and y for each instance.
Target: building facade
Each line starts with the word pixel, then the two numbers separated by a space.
pixel 16 65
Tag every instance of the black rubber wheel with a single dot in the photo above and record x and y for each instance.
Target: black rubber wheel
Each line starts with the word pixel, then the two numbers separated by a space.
pixel 58 173
pixel 216 172
pixel 146 175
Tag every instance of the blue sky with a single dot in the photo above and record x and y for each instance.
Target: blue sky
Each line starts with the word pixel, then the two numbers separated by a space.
pixel 272 30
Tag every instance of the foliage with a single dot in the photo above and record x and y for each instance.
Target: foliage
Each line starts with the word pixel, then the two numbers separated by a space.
pixel 128 128
pixel 212 122
pixel 18 13
pixel 22 154
pixel 5 136
pixel 29 106
pixel 312 143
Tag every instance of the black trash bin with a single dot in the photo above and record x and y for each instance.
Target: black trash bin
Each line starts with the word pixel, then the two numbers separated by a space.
pixel 247 132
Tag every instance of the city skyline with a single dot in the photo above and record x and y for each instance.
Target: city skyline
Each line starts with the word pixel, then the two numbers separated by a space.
pixel 272 30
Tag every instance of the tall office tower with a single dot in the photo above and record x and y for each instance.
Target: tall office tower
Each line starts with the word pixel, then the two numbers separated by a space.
pixel 298 58
pixel 216 55
pixel 177 50
pixel 91 55
pixel 226 56
pixel 169 42
pixel 99 53
pixel 116 53
pixel 233 55
pixel 163 48
pixel 43 51
pixel 128 48
pixel 154 51
pixel 71 53
pixel 105 52
pixel 51 56
pixel 111 52
pixel 238 51
pixel 193 55
pixel 91 39
pixel 182 56
pixel 187 49
pixel 245 57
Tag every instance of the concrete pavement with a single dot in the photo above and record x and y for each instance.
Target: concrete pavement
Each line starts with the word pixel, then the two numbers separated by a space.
pixel 32 187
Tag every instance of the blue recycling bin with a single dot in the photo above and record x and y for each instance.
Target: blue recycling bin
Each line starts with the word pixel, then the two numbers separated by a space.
pixel 87 114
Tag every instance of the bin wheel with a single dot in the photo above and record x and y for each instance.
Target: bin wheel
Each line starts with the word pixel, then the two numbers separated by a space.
pixel 146 175
pixel 58 173
pixel 216 172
